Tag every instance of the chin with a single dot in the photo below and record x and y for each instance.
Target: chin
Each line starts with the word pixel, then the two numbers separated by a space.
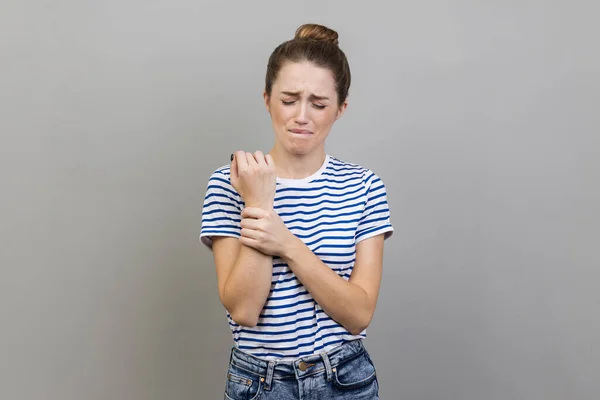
pixel 299 150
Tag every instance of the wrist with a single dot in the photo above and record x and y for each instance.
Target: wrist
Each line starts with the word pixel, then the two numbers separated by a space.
pixel 262 205
pixel 291 248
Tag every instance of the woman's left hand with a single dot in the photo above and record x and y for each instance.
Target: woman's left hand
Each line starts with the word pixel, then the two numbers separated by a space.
pixel 264 231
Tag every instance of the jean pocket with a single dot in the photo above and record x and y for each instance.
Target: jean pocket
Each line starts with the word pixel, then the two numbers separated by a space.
pixel 242 385
pixel 357 373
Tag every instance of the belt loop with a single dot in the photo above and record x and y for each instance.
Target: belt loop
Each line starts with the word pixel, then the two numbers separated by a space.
pixel 269 379
pixel 327 366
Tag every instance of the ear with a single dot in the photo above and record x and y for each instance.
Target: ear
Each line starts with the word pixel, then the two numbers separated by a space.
pixel 267 101
pixel 341 110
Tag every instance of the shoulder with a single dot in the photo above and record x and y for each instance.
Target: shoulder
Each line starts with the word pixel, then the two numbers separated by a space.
pixel 223 172
pixel 343 167
pixel 219 185
pixel 221 177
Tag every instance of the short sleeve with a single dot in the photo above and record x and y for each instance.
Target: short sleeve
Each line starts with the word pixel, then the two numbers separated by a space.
pixel 222 208
pixel 375 218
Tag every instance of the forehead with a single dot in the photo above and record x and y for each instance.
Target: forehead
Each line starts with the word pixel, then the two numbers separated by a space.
pixel 305 77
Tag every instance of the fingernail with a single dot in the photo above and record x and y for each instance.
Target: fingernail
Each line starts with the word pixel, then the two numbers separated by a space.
pixel 231 156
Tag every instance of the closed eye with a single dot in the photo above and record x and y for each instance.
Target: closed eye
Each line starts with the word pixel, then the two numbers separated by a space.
pixel 289 103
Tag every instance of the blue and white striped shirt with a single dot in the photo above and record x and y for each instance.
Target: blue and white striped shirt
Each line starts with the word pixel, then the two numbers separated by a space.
pixel 330 211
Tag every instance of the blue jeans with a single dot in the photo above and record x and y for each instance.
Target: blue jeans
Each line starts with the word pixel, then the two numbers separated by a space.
pixel 345 372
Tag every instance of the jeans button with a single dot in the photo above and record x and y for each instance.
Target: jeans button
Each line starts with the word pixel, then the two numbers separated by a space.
pixel 302 366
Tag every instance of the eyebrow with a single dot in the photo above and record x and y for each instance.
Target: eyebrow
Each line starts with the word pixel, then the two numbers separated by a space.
pixel 313 96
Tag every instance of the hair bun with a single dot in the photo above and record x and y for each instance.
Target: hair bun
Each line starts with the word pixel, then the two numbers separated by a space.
pixel 317 32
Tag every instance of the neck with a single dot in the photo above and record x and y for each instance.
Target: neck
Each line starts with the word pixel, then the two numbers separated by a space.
pixel 296 166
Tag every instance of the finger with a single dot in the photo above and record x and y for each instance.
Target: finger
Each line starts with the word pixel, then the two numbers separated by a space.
pixel 250 234
pixel 249 223
pixel 253 212
pixel 269 160
pixel 249 242
pixel 233 169
pixel 240 159
pixel 260 158
pixel 250 159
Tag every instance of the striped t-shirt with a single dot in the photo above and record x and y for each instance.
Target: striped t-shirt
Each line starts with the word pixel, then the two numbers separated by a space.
pixel 330 211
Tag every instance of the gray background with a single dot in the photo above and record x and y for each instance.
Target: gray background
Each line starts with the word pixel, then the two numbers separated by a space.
pixel 481 118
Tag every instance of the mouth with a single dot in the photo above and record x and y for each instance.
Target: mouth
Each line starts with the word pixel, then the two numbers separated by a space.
pixel 300 131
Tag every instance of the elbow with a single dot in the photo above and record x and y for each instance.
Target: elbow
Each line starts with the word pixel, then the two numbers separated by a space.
pixel 243 317
pixel 357 329
pixel 245 320
pixel 240 314
pixel 359 325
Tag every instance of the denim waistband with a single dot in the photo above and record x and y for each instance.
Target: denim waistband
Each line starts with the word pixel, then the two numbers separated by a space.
pixel 298 368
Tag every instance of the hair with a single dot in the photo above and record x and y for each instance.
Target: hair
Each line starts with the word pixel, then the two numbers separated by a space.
pixel 318 45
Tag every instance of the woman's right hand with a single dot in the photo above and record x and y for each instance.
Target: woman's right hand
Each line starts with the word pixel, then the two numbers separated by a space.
pixel 253 177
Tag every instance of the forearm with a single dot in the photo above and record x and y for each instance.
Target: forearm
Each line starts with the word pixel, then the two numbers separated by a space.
pixel 248 285
pixel 344 301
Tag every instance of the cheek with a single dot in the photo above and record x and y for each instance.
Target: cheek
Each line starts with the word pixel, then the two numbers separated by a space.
pixel 324 119
pixel 281 114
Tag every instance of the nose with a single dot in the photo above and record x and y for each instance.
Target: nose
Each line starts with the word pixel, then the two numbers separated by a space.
pixel 302 114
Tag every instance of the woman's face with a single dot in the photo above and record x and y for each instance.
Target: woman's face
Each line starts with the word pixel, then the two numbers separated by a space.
pixel 303 107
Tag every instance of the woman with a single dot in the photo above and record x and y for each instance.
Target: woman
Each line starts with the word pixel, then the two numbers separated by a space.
pixel 297 237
